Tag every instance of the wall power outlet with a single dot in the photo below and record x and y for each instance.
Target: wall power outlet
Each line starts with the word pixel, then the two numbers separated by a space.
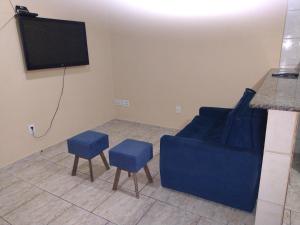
pixel 31 129
pixel 178 109
pixel 122 102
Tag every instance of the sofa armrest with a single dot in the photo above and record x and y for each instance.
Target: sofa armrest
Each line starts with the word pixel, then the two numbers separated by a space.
pixel 195 155
pixel 213 111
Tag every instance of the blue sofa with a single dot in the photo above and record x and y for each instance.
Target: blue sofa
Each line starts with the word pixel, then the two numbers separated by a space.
pixel 218 155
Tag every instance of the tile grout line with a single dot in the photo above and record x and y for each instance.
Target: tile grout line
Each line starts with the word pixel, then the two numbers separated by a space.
pixel 59 215
pixel 72 204
pixel 11 211
pixel 5 220
pixel 144 214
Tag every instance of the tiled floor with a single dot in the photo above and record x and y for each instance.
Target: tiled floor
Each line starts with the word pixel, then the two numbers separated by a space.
pixel 39 190
pixel 292 211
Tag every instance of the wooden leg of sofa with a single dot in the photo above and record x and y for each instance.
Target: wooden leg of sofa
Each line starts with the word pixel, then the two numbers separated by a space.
pixel 117 177
pixel 76 159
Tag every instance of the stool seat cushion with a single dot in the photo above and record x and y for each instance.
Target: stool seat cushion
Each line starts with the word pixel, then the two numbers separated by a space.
pixel 131 155
pixel 88 144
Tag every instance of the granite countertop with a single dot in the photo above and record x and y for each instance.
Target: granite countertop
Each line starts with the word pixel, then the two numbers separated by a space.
pixel 278 93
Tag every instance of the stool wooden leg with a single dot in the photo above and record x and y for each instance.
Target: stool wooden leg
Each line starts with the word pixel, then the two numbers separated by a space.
pixel 136 185
pixel 75 165
pixel 129 174
pixel 91 170
pixel 104 160
pixel 148 174
pixel 117 177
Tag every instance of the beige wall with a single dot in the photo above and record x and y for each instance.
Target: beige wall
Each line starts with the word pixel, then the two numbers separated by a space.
pixel 204 62
pixel 31 97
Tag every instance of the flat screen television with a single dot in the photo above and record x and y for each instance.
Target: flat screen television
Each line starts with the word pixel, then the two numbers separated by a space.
pixel 51 43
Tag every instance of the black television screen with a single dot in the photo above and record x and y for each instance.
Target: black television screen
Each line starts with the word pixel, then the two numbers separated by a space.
pixel 50 43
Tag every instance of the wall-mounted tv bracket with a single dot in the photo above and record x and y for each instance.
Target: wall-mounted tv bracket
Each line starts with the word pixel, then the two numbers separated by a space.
pixel 23 11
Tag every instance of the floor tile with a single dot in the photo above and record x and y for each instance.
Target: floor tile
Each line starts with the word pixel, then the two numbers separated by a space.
pixel 124 208
pixel 161 213
pixel 287 217
pixel 155 190
pixel 295 218
pixel 37 171
pixel 196 205
pixel 69 161
pixel 89 195
pixel 61 182
pixel 107 175
pixel 206 221
pixel 56 152
pixel 7 179
pixel 99 169
pixel 293 198
pixel 234 216
pixel 295 178
pixel 23 163
pixel 77 216
pixel 15 195
pixel 39 211
pixel 126 182
pixel 154 165
pixel 3 222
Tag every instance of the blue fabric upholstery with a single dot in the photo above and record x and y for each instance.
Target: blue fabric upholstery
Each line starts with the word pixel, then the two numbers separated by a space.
pixel 198 161
pixel 88 144
pixel 131 155
pixel 244 125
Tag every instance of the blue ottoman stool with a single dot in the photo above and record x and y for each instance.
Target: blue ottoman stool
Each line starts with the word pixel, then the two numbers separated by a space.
pixel 131 156
pixel 87 145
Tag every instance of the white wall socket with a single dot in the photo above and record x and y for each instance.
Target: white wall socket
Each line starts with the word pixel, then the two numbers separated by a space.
pixel 178 109
pixel 125 103
pixel 31 129
pixel 122 102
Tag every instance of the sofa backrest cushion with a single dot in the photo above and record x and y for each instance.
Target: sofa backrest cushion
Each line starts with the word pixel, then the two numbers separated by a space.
pixel 245 127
